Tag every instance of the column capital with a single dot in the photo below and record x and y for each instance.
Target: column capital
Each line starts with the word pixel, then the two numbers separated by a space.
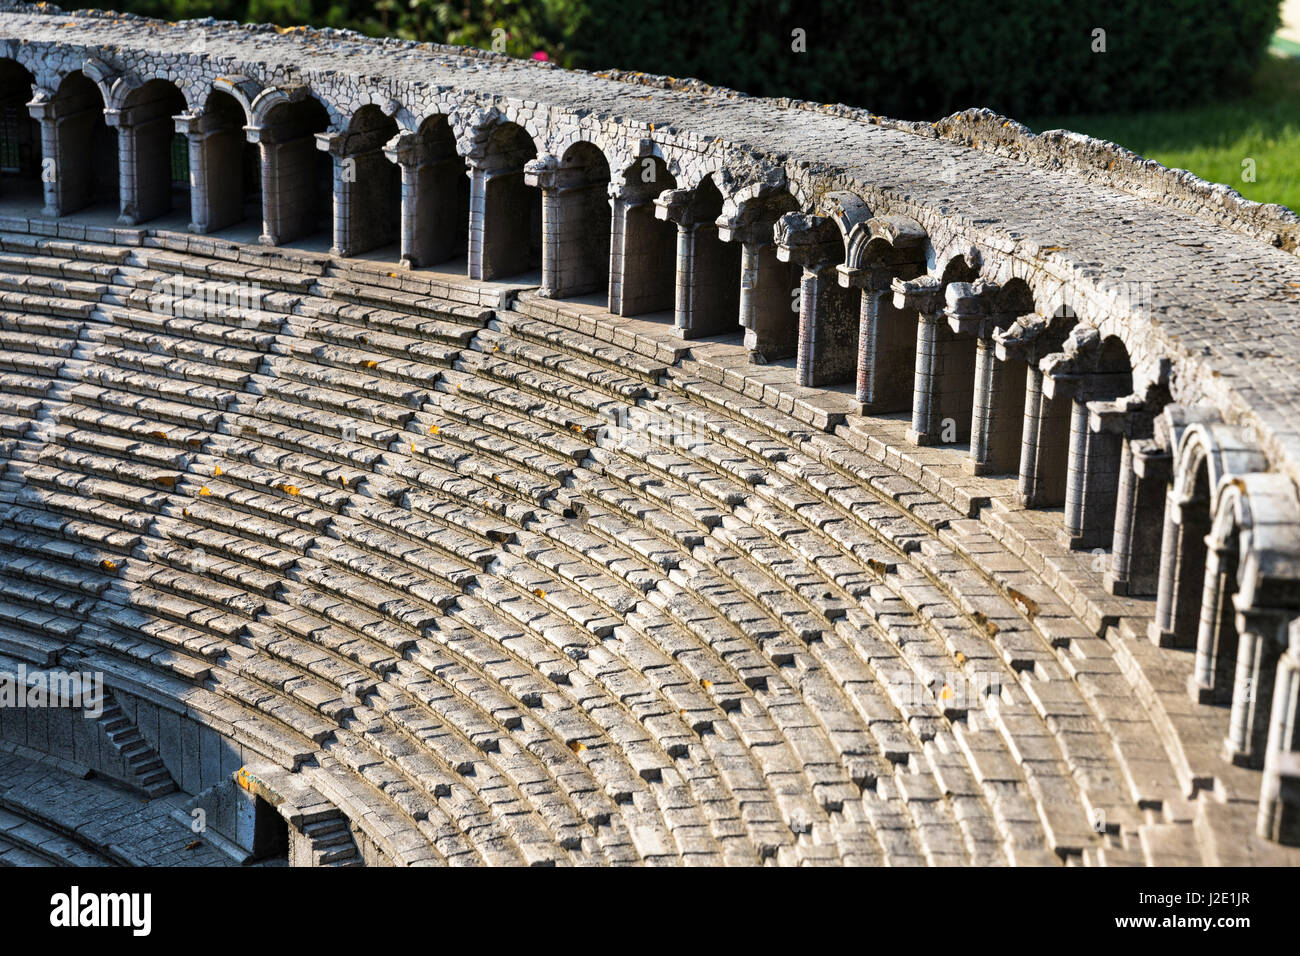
pixel 1071 372
pixel 189 123
pixel 811 241
pixel 406 149
pixel 43 104
pixel 1268 622
pixel 679 206
pixel 1151 459
pixel 1113 417
pixel 900 232
pixel 543 172
pixel 333 143
pixel 923 295
pixel 972 308
pixel 870 279
pixel 881 249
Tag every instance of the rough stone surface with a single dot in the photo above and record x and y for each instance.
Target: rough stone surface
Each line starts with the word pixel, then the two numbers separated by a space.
pixel 502 570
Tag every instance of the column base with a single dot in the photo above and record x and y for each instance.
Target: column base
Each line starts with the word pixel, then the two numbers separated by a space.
pixel 1242 758
pixel 983 468
pixel 1114 585
pixel 1082 542
pixel 1161 638
pixel 922 438
pixel 1200 694
pixel 1279 806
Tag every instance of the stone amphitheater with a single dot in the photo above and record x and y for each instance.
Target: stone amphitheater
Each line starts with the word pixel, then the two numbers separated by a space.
pixel 429 457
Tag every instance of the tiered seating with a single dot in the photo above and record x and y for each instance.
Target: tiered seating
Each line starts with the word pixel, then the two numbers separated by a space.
pixel 507 594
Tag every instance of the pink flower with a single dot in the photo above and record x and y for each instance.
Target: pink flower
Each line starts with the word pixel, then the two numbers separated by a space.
pixel 540 55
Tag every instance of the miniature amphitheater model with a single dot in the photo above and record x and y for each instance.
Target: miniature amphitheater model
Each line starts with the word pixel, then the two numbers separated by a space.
pixel 428 457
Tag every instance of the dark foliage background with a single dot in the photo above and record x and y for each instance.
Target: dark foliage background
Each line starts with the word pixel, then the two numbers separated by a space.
pixel 913 59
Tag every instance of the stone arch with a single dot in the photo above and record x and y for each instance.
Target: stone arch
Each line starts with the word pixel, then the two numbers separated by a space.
pixel 1216 637
pixel 154 157
pixel 367 185
pixel 827 317
pixel 1206 453
pixel 944 369
pixel 225 168
pixel 575 219
pixel 998 401
pixel 643 249
pixel 1094 371
pixel 111 84
pixel 244 90
pixel 877 252
pixel 435 192
pixel 76 136
pixel 706 300
pixel 1249 604
pixel 1044 449
pixel 768 285
pixel 20 133
pixel 297 178
pixel 505 233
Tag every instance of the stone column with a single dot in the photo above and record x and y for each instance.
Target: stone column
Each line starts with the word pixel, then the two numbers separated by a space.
pixel 474 245
pixel 621 205
pixel 1182 558
pixel 575 227
pixel 642 248
pixel 1216 640
pixel 1095 434
pixel 216 174
pixel 365 182
pixel 66 185
pixel 1145 468
pixel 1090 519
pixel 1261 642
pixel 707 292
pixel 407 152
pixel 144 161
pixel 674 206
pixel 544 174
pixel 768 303
pixel 924 298
pixel 997 402
pixel 886 340
pixel 642 252
pixel 828 316
pixel 1040 482
pixel 1175 587
pixel 289 183
pixel 1279 794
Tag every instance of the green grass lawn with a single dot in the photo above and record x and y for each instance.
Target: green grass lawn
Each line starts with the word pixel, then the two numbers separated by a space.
pixel 1262 123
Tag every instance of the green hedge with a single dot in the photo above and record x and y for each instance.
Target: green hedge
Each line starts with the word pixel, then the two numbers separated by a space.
pixel 913 59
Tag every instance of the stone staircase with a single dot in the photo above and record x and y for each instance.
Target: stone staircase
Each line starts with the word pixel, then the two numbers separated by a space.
pixel 143 765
